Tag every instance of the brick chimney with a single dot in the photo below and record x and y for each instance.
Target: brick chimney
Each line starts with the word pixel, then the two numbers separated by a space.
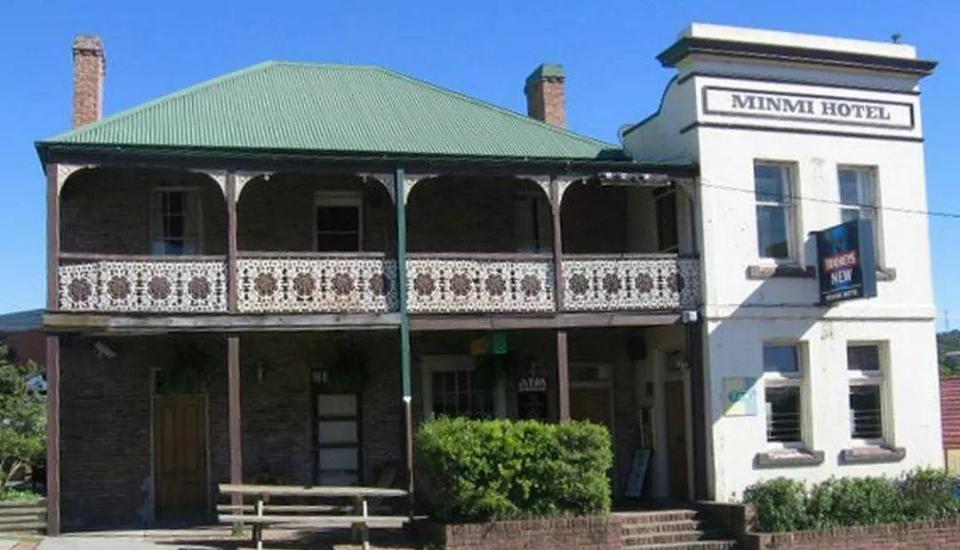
pixel 545 97
pixel 89 67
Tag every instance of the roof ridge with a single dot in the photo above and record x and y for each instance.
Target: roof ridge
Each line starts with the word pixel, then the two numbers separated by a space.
pixel 494 107
pixel 140 107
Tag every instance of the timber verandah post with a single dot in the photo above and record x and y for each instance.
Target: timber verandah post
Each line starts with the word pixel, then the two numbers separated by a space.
pixel 233 342
pixel 563 368
pixel 399 180
pixel 53 351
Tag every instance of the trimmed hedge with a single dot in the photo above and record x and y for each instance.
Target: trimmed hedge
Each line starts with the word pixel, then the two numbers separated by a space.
pixel 789 505
pixel 482 470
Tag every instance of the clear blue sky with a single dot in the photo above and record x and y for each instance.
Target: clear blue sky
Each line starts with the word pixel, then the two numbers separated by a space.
pixel 484 49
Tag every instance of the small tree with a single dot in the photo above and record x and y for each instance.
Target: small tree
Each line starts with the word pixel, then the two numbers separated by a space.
pixel 23 423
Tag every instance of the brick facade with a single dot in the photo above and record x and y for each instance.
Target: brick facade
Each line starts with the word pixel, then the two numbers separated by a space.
pixel 106 416
pixel 107 211
pixel 927 535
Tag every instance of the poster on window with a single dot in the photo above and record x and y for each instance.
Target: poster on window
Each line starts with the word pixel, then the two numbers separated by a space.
pixel 532 398
pixel 846 262
pixel 740 396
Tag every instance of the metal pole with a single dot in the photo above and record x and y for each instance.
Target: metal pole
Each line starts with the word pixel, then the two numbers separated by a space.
pixel 400 201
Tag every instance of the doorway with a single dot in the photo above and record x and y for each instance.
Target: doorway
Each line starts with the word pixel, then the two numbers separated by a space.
pixel 591 397
pixel 180 456
pixel 676 417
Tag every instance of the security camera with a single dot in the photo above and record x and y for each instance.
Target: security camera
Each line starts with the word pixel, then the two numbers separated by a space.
pixel 104 351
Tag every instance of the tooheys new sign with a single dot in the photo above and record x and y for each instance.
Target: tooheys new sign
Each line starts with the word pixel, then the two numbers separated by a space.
pixel 846 262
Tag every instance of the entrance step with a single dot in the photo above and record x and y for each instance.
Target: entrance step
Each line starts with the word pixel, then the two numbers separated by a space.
pixel 672 529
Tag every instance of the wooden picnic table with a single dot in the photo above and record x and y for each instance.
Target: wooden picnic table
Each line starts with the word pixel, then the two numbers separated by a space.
pixel 262 513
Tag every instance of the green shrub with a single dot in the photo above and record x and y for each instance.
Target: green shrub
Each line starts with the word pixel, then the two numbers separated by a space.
pixel 928 493
pixel 855 501
pixel 781 504
pixel 479 470
pixel 786 505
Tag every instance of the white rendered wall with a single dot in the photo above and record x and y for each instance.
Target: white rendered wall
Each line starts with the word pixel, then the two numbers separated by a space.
pixel 741 313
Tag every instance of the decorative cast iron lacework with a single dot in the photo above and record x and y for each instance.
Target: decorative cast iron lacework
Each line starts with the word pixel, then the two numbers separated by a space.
pixel 475 284
pixel 651 283
pixel 144 286
pixel 317 285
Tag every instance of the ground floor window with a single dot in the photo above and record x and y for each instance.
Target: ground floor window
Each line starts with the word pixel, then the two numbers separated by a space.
pixel 783 394
pixel 454 386
pixel 864 368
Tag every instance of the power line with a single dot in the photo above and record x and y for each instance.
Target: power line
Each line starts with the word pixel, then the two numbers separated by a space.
pixel 931 213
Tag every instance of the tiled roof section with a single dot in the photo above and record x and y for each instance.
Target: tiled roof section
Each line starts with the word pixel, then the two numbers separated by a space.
pixel 950 411
pixel 333 108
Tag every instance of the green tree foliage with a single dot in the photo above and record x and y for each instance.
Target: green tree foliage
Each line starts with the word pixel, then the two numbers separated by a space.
pixel 23 422
pixel 948 342
pixel 789 505
pixel 480 470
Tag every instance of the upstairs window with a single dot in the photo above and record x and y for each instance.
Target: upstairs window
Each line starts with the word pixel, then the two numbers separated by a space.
pixel 175 222
pixel 532 220
pixel 775 213
pixel 339 222
pixel 858 197
pixel 668 239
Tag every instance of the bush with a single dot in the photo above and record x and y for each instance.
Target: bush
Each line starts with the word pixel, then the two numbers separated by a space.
pixel 786 505
pixel 781 504
pixel 855 501
pixel 480 470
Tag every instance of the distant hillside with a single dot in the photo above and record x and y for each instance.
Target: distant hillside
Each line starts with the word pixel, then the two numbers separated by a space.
pixel 948 342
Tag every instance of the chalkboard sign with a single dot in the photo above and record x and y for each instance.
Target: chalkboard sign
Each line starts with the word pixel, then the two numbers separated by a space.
pixel 638 472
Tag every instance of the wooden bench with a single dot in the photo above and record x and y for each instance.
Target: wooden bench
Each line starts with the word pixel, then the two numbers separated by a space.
pixel 261 514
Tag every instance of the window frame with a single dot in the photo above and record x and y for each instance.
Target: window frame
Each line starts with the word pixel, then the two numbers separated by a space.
pixel 874 378
pixel 873 180
pixel 789 205
pixel 775 380
pixel 338 199
pixel 192 197
pixel 431 364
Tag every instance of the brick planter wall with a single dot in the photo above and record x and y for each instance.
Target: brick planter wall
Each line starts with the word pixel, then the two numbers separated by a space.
pixel 940 534
pixel 579 533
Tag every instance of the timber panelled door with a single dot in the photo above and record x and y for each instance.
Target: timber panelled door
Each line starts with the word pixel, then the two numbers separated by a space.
pixel 180 461
pixel 338 439
pixel 591 396
pixel 677 439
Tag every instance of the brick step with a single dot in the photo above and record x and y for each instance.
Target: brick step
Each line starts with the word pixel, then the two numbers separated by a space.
pixel 23 527
pixel 20 518
pixel 674 536
pixel 695 545
pixel 662 527
pixel 657 516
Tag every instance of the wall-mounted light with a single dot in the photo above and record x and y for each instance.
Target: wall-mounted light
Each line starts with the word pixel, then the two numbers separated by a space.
pixel 104 350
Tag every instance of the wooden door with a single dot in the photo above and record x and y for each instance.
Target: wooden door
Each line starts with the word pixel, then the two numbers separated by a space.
pixel 338 439
pixel 591 404
pixel 677 439
pixel 180 455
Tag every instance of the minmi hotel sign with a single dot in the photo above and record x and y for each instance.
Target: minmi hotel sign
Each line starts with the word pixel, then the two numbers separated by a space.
pixel 807 108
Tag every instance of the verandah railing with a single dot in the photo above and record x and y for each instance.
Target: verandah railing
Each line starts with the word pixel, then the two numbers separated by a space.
pixel 439 283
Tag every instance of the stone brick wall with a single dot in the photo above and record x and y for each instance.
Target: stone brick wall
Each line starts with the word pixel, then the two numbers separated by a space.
pixel 279 214
pixel 578 533
pixel 106 416
pixel 107 210
pixel 930 535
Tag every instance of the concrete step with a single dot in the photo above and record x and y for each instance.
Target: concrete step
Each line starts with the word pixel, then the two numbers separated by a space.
pixel 662 527
pixel 673 536
pixel 694 545
pixel 25 526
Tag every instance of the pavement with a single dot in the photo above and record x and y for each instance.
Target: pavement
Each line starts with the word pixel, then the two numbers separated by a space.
pixel 150 542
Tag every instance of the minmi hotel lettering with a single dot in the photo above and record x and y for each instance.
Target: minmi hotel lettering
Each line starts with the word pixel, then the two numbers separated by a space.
pixel 807 107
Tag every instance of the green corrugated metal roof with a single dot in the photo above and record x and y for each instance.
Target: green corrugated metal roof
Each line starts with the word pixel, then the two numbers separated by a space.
pixel 322 107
